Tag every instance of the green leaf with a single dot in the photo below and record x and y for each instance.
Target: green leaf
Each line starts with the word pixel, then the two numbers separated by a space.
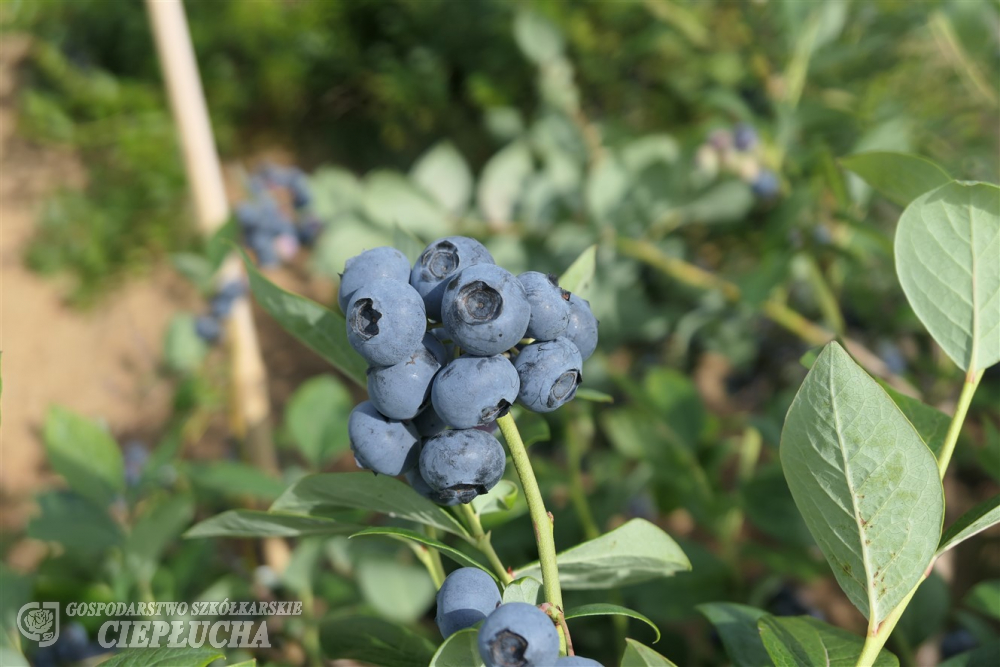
pixel 607 187
pixel 376 641
pixel 639 655
pixel 802 641
pixel 770 507
pixel 976 520
pixel 459 650
pixel 931 423
pixel 76 523
pixel 537 37
pixel 926 613
pixel 399 591
pixel 412 536
pixel 501 498
pixel 164 657
pixel 524 589
pixel 737 627
pixel 864 481
pixel 985 598
pixel 585 394
pixel 632 553
pixel 153 532
pixel 221 243
pixel 445 175
pixel 256 523
pixel 603 609
pixel 234 479
pixel 363 490
pixel 393 200
pixel 532 426
pixel 183 349
pixel 901 177
pixel 335 191
pixel 578 276
pixel 502 182
pixel 947 244
pixel 322 330
pixel 316 418
pixel 984 656
pixel 675 399
pixel 85 455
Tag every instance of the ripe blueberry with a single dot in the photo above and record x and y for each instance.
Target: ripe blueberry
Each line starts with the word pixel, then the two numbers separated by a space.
pixel 385 322
pixel 380 444
pixel 582 329
pixel 549 305
pixel 402 390
pixel 576 661
pixel 486 310
pixel 472 391
pixel 549 372
pixel 429 423
pixel 439 261
pixel 745 137
pixel 467 596
pixel 208 328
pixel 423 488
pixel 369 266
pixel 518 634
pixel 766 185
pixel 462 464
pixel 222 303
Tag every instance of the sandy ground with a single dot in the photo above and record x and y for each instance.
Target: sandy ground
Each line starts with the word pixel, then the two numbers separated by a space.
pixel 103 362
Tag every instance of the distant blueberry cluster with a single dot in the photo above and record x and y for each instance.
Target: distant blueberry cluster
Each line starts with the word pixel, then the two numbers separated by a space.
pixel 274 234
pixel 435 389
pixel 515 634
pixel 737 151
pixel 209 326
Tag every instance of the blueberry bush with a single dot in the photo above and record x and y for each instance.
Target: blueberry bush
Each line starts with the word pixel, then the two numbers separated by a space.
pixel 780 444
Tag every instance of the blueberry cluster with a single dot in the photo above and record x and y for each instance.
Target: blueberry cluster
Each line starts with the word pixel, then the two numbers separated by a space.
pixel 434 391
pixel 209 326
pixel 516 634
pixel 272 233
pixel 737 151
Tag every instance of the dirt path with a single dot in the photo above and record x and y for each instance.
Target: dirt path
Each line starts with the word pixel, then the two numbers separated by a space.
pixel 102 363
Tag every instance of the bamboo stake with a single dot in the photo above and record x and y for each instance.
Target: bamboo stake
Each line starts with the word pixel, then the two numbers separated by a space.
pixel 251 405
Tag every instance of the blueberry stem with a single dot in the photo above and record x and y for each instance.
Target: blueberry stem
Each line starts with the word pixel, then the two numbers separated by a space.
pixel 433 563
pixel 540 518
pixel 481 540
pixel 964 401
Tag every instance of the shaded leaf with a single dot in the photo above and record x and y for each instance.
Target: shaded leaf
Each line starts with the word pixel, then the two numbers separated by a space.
pixel 900 177
pixel 399 591
pixel 593 395
pixel 984 656
pixel 865 483
pixel 393 200
pixel 316 418
pixel 524 589
pixel 320 329
pixel 85 455
pixel 444 173
pixel 976 520
pixel 931 423
pixel 316 494
pixel 501 498
pixel 926 613
pixel 256 523
pixel 947 244
pixel 164 657
pixel 578 276
pixel 985 598
pixel 153 532
pixel 737 627
pixel 803 641
pixel 634 552
pixel 640 655
pixel 537 37
pixel 459 650
pixel 413 536
pixel 374 640
pixel 183 349
pixel 234 479
pixel 76 523
pixel 502 182
pixel 603 609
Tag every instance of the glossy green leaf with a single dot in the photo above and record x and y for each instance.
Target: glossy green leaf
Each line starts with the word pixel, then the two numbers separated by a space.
pixel 737 627
pixel 412 536
pixel 256 523
pixel 976 520
pixel 985 598
pixel 375 641
pixel 803 641
pixel 234 479
pixel 85 455
pixel 445 175
pixel 316 494
pixel 459 650
pixel 316 418
pixel 632 553
pixel 580 274
pixel 931 423
pixel 984 656
pixel 320 329
pixel 524 589
pixel 603 609
pixel 501 498
pixel 165 657
pixel 502 182
pixel 947 244
pixel 900 177
pixel 864 481
pixel 640 655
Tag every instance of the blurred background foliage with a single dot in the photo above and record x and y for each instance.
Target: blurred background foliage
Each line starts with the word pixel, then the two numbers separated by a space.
pixel 544 132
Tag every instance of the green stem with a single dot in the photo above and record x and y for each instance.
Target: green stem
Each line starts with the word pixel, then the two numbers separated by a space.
pixel 964 400
pixel 540 518
pixel 481 540
pixel 434 565
pixel 879 634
